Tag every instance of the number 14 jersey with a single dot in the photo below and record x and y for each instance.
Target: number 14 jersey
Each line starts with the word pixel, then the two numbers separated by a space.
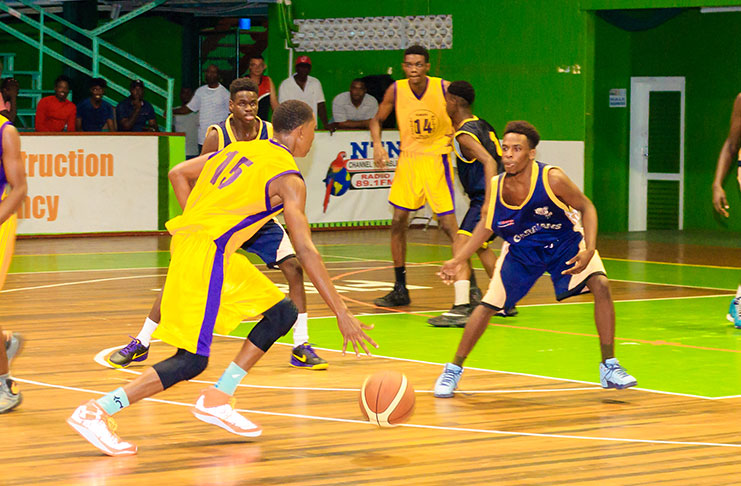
pixel 424 125
pixel 230 200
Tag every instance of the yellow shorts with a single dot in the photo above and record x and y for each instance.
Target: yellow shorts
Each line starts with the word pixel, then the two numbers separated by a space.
pixel 421 178
pixel 7 245
pixel 207 292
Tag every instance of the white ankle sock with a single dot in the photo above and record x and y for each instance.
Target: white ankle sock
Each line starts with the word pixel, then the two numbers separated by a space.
pixel 462 289
pixel 301 329
pixel 738 291
pixel 145 335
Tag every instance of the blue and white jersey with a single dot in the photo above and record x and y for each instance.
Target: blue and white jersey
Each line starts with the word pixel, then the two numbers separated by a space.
pixel 539 222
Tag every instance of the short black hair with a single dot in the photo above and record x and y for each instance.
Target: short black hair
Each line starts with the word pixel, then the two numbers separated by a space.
pixel 98 82
pixel 255 56
pixel 290 115
pixel 524 128
pixel 359 80
pixel 61 78
pixel 242 84
pixel 419 50
pixel 464 89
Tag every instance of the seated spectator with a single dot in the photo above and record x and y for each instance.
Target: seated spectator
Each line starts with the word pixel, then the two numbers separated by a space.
pixel 353 109
pixel 94 114
pixel 55 112
pixel 134 114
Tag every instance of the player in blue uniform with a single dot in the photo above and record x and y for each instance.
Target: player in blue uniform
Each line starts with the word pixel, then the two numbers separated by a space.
pixel 728 154
pixel 270 243
pixel 535 209
pixel 479 156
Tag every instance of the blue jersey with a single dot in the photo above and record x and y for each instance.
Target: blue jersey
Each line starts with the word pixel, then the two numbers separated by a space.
pixel 471 172
pixel 226 135
pixel 539 222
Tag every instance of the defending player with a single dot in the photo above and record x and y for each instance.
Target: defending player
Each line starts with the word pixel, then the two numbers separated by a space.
pixel 13 189
pixel 211 288
pixel 424 171
pixel 270 243
pixel 532 206
pixel 728 153
pixel 479 159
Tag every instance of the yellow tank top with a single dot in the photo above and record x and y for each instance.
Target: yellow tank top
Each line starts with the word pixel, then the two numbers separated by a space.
pixel 424 125
pixel 230 201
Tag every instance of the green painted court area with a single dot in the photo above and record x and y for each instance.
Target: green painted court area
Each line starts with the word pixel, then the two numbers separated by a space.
pixel 678 345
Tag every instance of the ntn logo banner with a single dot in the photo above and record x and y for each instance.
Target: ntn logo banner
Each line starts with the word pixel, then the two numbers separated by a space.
pixel 364 150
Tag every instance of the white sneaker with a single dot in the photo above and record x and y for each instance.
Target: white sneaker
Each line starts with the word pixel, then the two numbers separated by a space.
pixel 612 375
pixel 222 413
pixel 448 380
pixel 98 428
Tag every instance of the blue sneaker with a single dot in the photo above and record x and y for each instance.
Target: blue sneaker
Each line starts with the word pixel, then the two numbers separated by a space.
pixel 447 382
pixel 304 356
pixel 612 375
pixel 732 315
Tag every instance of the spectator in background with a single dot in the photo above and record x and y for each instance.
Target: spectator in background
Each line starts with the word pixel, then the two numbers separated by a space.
pixel 353 109
pixel 188 124
pixel 95 114
pixel 267 98
pixel 305 88
pixel 54 112
pixel 9 98
pixel 135 114
pixel 211 101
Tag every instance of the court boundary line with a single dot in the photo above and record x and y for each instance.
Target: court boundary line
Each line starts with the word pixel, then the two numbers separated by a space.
pixel 417 426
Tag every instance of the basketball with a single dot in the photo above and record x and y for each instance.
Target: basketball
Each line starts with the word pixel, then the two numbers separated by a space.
pixel 387 398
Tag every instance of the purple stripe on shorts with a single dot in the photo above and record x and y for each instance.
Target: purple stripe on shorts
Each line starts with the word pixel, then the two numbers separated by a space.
pixel 406 209
pixel 267 185
pixel 449 180
pixel 212 305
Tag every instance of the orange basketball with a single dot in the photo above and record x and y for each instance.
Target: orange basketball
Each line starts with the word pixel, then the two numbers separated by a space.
pixel 387 398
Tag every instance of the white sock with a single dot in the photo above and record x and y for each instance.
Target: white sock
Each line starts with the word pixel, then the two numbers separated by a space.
pixel 462 289
pixel 145 335
pixel 738 291
pixel 301 329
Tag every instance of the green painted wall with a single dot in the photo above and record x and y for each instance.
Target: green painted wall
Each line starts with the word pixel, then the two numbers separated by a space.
pixel 704 49
pixel 510 51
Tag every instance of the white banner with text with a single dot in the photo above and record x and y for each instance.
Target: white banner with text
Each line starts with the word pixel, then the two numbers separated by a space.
pixel 89 184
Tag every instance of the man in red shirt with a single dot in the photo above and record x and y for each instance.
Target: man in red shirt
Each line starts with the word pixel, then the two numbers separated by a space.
pixel 55 111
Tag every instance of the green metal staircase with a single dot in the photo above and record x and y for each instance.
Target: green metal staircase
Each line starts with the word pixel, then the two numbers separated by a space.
pixel 104 66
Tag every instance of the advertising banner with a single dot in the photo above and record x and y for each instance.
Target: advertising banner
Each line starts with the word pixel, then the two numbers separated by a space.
pixel 85 184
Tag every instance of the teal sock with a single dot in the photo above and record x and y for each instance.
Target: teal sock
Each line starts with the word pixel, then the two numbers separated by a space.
pixel 228 382
pixel 114 401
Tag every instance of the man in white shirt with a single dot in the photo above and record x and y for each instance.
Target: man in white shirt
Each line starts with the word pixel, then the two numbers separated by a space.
pixel 187 124
pixel 305 88
pixel 353 109
pixel 211 101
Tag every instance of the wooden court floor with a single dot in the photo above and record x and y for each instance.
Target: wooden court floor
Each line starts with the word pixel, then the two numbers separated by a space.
pixel 76 300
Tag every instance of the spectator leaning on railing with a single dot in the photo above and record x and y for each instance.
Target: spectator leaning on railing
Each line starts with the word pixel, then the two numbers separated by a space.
pixel 353 109
pixel 55 112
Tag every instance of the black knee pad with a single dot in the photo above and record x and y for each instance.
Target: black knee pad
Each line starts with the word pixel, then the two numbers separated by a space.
pixel 275 322
pixel 182 366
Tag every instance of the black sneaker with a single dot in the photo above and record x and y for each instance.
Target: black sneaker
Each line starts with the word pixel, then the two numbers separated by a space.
pixel 512 312
pixel 475 295
pixel 304 356
pixel 457 316
pixel 134 351
pixel 397 297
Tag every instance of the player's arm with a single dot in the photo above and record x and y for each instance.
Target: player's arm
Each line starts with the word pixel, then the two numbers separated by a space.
pixel 15 173
pixel 291 190
pixel 473 150
pixel 273 95
pixel 353 124
pixel 380 156
pixel 211 142
pixel 565 190
pixel 184 176
pixel 481 234
pixel 728 154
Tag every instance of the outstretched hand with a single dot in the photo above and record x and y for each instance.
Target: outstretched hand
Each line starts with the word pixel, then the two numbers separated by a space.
pixel 352 332
pixel 449 270
pixel 580 262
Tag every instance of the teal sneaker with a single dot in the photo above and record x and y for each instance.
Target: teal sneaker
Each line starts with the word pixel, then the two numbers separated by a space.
pixel 732 315
pixel 612 375
pixel 447 382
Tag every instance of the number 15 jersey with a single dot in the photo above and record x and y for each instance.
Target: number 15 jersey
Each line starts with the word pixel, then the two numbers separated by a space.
pixel 230 200
pixel 424 125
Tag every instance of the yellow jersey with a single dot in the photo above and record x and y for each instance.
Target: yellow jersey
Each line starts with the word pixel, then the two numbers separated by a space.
pixel 424 125
pixel 4 122
pixel 230 200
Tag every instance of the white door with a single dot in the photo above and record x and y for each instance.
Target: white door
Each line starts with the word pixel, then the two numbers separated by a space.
pixel 656 153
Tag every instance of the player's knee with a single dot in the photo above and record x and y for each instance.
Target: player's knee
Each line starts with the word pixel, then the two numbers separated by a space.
pixel 292 270
pixel 182 366
pixel 275 322
pixel 399 223
pixel 599 285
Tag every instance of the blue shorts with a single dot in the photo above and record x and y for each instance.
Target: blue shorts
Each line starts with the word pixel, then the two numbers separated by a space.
pixel 271 244
pixel 518 269
pixel 473 215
